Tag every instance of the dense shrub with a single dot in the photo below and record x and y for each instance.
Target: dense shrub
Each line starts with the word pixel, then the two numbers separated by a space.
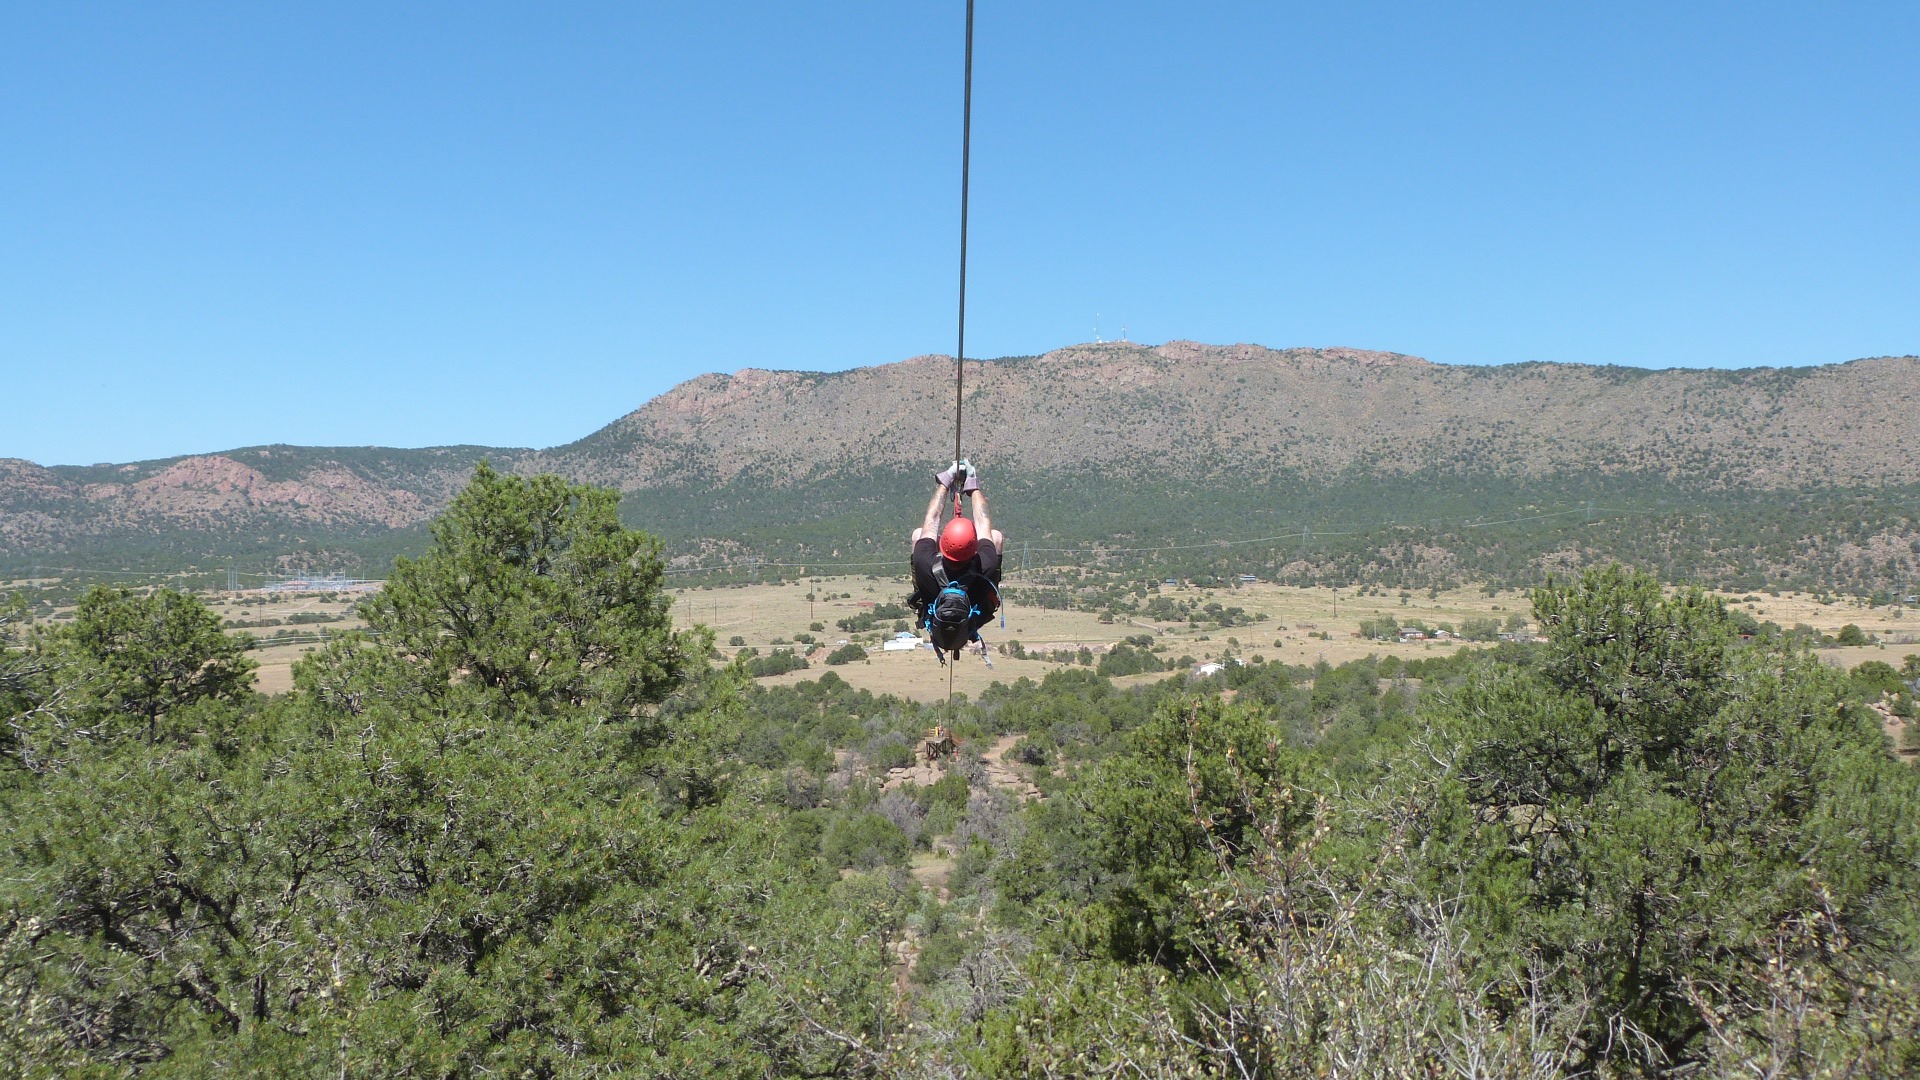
pixel 846 654
pixel 864 841
pixel 777 662
pixel 1479 628
pixel 1125 659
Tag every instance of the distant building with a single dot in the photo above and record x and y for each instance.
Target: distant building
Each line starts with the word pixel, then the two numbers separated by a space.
pixel 904 641
pixel 1205 670
pixel 323 583
pixel 1249 579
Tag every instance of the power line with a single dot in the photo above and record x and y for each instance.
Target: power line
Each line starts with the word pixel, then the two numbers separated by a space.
pixel 1587 510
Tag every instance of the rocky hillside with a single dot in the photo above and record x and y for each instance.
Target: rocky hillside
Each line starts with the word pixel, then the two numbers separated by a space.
pixel 710 458
pixel 267 494
pixel 1185 411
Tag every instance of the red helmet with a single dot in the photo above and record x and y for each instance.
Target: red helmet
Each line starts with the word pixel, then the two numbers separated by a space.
pixel 958 542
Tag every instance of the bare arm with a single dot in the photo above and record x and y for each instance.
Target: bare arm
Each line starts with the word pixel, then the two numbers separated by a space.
pixel 982 524
pixel 930 525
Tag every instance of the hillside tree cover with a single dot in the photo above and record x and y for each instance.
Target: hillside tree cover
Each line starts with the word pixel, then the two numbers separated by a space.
pixel 484 838
pixel 522 826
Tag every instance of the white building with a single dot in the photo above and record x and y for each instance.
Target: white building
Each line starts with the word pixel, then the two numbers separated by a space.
pixel 904 641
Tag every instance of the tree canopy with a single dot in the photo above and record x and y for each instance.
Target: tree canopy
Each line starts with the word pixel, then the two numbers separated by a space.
pixel 521 825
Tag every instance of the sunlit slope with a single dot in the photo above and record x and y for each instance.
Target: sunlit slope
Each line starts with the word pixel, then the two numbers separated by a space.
pixel 1379 464
pixel 1184 411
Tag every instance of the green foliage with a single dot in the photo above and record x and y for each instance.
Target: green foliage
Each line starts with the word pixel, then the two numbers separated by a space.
pixel 512 833
pixel 1698 524
pixel 533 596
pixel 520 829
pixel 128 666
pixel 147 655
pixel 846 654
pixel 951 790
pixel 889 751
pixel 777 662
pixel 23 685
pixel 1723 534
pixel 1125 659
pixel 878 614
pixel 1641 847
pixel 1384 628
pixel 1876 677
pixel 1478 628
pixel 1188 796
pixel 1651 801
pixel 865 841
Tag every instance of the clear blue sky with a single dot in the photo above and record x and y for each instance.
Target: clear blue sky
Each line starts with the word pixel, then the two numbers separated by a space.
pixel 343 224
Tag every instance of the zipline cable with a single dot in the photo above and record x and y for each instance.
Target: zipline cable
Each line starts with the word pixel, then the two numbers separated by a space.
pixel 960 347
pixel 966 160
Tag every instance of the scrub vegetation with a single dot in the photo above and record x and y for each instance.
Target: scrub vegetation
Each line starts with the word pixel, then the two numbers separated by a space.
pixel 518 824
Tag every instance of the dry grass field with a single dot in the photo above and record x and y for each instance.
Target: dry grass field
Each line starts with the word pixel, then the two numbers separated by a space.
pixel 276 661
pixel 766 616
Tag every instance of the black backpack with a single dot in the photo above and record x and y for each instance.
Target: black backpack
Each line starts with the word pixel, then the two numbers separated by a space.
pixel 952 608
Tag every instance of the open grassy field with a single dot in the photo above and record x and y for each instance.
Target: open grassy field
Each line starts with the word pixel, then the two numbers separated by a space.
pixel 276 661
pixel 768 615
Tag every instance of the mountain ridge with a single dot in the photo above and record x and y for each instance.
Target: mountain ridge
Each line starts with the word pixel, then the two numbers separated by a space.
pixel 709 459
pixel 1677 422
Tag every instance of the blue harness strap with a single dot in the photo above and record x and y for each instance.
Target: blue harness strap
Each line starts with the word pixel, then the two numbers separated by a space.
pixel 958 588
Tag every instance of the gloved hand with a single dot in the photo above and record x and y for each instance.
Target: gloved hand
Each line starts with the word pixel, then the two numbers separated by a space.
pixel 972 481
pixel 946 479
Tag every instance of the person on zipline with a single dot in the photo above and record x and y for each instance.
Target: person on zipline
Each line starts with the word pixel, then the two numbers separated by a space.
pixel 956 579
